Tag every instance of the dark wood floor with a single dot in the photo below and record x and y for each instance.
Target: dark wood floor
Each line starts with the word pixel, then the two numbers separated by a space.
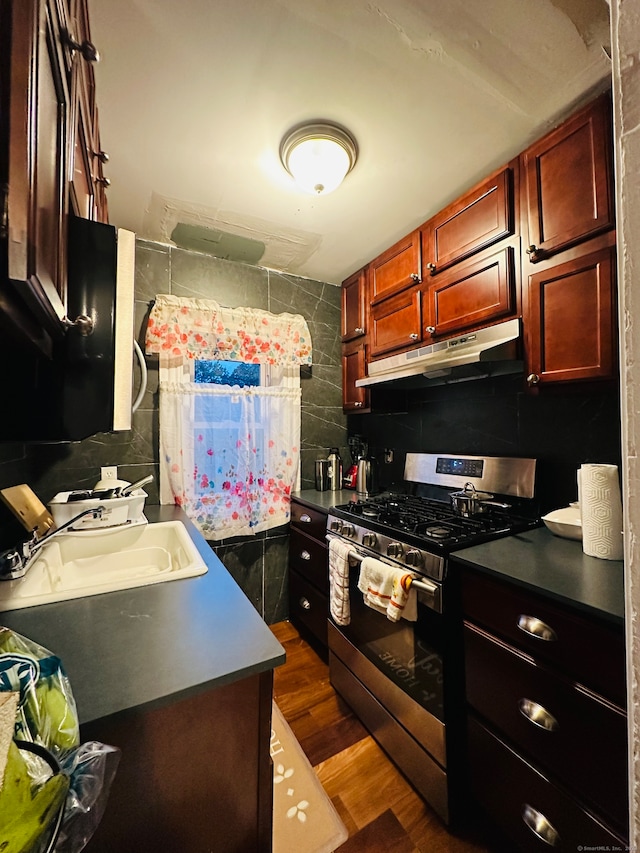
pixel 380 809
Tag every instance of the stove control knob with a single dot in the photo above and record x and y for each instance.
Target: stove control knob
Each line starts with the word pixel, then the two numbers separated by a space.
pixel 413 558
pixel 348 530
pixel 369 540
pixel 394 549
pixel 336 526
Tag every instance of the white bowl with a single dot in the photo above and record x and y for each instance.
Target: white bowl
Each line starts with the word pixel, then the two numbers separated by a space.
pixel 565 522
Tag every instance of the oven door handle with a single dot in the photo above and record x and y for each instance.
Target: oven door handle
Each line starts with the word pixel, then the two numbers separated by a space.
pixel 429 590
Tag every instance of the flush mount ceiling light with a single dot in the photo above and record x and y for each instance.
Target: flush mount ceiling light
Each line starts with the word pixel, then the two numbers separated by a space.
pixel 318 156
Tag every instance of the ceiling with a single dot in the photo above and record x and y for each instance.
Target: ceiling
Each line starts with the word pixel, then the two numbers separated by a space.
pixel 196 95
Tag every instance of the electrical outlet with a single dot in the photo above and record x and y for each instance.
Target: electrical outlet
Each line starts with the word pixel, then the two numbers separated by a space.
pixel 109 472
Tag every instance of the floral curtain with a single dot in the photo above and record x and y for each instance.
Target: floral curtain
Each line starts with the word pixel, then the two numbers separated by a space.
pixel 229 456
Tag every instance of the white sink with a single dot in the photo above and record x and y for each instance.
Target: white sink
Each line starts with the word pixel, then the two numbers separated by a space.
pixel 90 562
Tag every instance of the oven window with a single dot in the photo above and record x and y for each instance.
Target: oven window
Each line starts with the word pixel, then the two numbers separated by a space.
pixel 407 653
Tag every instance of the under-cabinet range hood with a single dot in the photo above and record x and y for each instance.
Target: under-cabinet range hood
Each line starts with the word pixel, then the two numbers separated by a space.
pixel 493 351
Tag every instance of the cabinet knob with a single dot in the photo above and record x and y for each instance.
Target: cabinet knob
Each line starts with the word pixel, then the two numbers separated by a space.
pixel 102 156
pixel 104 181
pixel 535 254
pixel 87 49
pixel 431 268
pixel 358 405
pixel 305 555
pixel 83 324
pixel 359 330
pixel 538 715
pixel 414 336
pixel 540 826
pixel 305 604
pixel 430 329
pixel 415 276
pixel 536 628
pixel 533 379
pixel 306 519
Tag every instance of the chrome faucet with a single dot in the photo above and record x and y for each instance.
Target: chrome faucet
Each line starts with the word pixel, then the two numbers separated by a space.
pixel 15 562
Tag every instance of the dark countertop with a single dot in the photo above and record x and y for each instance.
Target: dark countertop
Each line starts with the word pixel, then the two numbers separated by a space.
pixel 555 567
pixel 153 644
pixel 324 500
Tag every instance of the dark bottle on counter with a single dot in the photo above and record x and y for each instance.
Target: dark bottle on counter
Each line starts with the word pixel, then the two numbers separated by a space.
pixel 335 469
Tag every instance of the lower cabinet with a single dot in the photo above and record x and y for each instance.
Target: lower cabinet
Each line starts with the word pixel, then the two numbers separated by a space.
pixel 309 574
pixel 547 742
pixel 194 776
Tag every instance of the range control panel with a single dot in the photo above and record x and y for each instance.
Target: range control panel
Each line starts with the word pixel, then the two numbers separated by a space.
pixel 461 467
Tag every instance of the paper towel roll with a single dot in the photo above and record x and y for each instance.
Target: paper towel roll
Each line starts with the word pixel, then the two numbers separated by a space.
pixel 601 508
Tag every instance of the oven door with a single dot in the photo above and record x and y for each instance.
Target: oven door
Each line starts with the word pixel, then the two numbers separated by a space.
pixel 401 664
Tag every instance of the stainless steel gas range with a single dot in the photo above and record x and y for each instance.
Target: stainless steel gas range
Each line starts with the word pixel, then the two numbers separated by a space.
pixel 404 679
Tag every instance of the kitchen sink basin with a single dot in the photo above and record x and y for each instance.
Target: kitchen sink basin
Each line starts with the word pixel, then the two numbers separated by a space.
pixel 90 562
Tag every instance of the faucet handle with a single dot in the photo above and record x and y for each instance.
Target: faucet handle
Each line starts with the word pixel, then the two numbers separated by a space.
pixel 12 565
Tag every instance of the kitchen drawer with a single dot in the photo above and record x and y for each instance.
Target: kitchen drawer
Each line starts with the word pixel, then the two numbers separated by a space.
pixel 310 558
pixel 586 650
pixel 585 745
pixel 506 785
pixel 308 607
pixel 312 521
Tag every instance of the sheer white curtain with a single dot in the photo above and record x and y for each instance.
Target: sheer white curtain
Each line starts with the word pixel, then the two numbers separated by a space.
pixel 229 455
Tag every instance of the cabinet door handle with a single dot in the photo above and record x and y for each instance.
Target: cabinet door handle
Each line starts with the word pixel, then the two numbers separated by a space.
pixel 305 555
pixel 358 405
pixel 540 826
pixel 306 519
pixel 305 603
pixel 535 253
pixel 533 379
pixel 415 276
pixel 414 336
pixel 536 628
pixel 359 330
pixel 431 268
pixel 538 715
pixel 87 50
pixel 430 329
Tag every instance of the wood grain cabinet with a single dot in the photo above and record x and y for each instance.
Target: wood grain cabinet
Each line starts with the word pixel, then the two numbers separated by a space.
pixel 309 573
pixel 567 182
pixel 545 690
pixel 47 167
pixel 355 307
pixel 568 267
pixel 397 268
pixel 396 323
pixel 354 367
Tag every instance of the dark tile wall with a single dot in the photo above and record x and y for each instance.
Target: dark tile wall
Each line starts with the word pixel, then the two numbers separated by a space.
pixel 497 417
pixel 258 564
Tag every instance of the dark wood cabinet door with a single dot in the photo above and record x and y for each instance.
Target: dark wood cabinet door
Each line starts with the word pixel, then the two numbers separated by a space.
pixel 475 221
pixel 354 366
pixel 395 322
pixel 568 178
pixel 397 268
pixel 570 320
pixel 37 159
pixel 354 305
pixel 471 295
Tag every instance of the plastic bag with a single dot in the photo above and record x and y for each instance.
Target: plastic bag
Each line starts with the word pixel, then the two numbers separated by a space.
pixel 71 787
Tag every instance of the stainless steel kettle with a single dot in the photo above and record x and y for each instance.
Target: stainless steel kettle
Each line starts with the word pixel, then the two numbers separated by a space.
pixel 367 478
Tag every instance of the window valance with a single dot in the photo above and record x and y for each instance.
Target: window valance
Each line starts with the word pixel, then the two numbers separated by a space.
pixel 203 329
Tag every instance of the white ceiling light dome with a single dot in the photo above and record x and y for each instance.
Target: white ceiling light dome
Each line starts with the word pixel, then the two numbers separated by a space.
pixel 318 156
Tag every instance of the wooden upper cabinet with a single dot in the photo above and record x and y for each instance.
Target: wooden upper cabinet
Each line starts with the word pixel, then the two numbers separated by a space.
pixel 35 159
pixel 354 306
pixel 568 181
pixel 571 319
pixel 478 219
pixel 396 269
pixel 396 322
pixel 354 366
pixel 475 293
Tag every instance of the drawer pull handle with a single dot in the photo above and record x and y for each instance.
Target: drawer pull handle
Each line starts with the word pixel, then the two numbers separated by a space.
pixel 536 628
pixel 540 826
pixel 305 604
pixel 305 518
pixel 538 715
pixel 305 555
